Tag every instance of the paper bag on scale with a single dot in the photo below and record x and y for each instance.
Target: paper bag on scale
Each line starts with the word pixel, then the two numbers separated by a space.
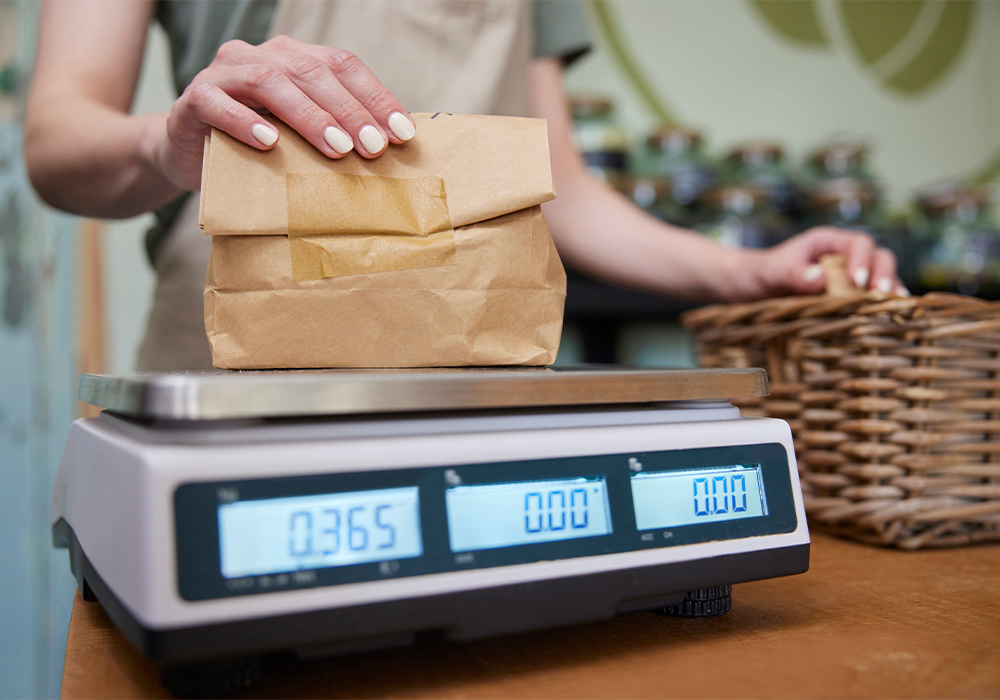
pixel 434 254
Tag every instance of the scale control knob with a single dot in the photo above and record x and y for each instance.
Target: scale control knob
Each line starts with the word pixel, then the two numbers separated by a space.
pixel 703 602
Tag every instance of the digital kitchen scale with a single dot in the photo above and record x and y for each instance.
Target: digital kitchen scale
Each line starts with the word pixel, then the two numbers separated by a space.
pixel 222 515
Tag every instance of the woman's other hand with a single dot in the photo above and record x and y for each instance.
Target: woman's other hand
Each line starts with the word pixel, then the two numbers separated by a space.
pixel 793 266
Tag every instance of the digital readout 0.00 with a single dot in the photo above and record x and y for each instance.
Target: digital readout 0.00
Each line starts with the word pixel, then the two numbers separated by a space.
pixel 311 532
pixel 492 516
pixel 692 496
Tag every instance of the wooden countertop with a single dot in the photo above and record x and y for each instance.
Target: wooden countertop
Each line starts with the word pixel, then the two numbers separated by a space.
pixel 863 623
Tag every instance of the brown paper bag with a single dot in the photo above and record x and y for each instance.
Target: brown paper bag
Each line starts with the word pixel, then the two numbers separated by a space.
pixel 435 254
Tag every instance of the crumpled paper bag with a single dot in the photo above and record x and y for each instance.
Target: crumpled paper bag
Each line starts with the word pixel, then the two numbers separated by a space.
pixel 435 254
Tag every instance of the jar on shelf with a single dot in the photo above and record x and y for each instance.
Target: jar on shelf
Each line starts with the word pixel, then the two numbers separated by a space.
pixel 958 241
pixel 654 195
pixel 744 217
pixel 762 165
pixel 676 154
pixel 842 158
pixel 600 140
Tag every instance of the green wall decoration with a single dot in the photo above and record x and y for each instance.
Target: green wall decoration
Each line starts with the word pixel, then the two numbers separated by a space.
pixel 615 44
pixel 940 52
pixel 908 46
pixel 796 20
pixel 875 28
pixel 989 172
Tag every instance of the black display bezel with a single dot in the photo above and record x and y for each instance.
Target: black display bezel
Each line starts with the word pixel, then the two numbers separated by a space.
pixel 196 516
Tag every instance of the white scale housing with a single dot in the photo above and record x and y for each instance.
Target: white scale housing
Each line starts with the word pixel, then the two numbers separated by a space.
pixel 139 490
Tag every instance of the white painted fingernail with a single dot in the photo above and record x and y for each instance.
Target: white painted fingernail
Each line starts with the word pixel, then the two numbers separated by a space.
pixel 265 134
pixel 812 273
pixel 861 277
pixel 401 126
pixel 902 291
pixel 338 140
pixel 884 284
pixel 371 139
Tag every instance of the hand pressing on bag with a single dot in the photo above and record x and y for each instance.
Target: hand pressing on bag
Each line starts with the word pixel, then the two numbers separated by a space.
pixel 327 95
pixel 87 155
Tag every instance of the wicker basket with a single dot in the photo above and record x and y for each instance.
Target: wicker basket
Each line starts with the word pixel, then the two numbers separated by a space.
pixel 894 404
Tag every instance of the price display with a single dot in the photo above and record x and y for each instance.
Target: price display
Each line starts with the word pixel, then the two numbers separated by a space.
pixel 505 515
pixel 312 532
pixel 689 497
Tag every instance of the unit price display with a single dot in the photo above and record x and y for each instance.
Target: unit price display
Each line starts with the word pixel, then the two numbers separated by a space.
pixel 688 497
pixel 505 515
pixel 312 532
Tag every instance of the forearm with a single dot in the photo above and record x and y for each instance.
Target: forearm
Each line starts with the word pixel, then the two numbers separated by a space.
pixel 598 231
pixel 645 253
pixel 101 164
pixel 85 153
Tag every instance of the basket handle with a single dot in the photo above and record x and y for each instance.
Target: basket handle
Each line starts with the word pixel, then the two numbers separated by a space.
pixel 838 284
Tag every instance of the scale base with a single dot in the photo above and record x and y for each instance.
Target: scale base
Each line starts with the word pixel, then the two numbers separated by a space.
pixel 459 616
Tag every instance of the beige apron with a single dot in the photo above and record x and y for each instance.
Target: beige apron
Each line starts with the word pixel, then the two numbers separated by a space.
pixel 459 56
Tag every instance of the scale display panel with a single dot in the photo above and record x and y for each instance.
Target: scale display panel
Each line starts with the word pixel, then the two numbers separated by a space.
pixel 283 533
pixel 311 532
pixel 506 515
pixel 690 497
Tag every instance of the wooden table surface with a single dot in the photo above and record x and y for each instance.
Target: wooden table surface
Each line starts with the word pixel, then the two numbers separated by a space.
pixel 863 623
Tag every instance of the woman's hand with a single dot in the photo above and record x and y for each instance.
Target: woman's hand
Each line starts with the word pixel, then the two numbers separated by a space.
pixel 792 267
pixel 88 155
pixel 327 95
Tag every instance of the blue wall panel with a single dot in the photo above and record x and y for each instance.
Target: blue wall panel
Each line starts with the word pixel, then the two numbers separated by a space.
pixel 37 387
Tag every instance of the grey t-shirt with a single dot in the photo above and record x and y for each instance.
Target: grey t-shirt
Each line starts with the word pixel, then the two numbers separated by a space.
pixel 197 30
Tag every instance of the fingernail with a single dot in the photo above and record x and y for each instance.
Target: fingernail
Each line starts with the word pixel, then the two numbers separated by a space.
pixel 902 291
pixel 371 139
pixel 884 284
pixel 338 140
pixel 812 273
pixel 401 126
pixel 265 134
pixel 861 277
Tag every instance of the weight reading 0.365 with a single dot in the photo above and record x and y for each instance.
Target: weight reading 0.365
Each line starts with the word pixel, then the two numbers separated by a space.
pixel 325 532
pixel 554 510
pixel 728 494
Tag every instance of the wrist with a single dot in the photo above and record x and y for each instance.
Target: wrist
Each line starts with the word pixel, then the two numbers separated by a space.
pixel 739 276
pixel 150 144
pixel 152 153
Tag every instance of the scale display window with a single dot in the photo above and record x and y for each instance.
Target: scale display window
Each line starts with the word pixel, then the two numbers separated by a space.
pixel 492 516
pixel 694 496
pixel 278 535
pixel 283 533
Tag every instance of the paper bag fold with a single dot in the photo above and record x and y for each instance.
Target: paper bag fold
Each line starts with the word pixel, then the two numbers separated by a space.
pixel 332 231
pixel 490 166
pixel 342 203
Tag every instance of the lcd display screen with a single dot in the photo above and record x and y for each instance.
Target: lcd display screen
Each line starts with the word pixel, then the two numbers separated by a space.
pixel 491 516
pixel 312 532
pixel 693 496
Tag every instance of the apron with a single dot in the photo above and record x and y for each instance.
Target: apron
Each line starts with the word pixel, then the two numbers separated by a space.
pixel 459 56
